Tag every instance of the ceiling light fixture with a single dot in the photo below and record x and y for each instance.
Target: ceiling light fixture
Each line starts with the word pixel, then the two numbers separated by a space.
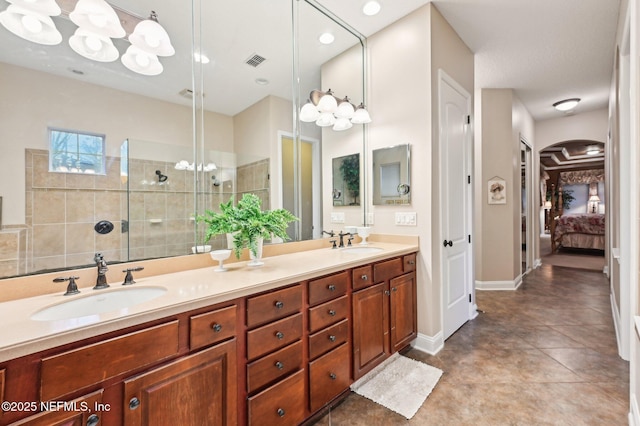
pixel 326 38
pixel 567 104
pixel 593 150
pixel 371 8
pixel 326 110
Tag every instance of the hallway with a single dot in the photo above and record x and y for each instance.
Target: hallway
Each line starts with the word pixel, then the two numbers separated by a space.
pixel 542 355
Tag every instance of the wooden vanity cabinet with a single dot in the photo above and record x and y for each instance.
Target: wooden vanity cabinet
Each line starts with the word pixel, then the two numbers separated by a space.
pixel 384 312
pixel 83 411
pixel 194 390
pixel 275 385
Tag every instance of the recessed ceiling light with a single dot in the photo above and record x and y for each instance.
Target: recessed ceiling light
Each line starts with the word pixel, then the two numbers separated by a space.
pixel 371 8
pixel 326 38
pixel 262 81
pixel 200 57
pixel 566 104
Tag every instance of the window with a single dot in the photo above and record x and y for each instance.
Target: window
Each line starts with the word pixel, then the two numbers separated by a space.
pixel 75 152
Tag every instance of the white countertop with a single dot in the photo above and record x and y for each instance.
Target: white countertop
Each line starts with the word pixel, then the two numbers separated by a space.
pixel 186 290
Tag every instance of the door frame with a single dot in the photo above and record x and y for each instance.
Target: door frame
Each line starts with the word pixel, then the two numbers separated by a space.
pixel 443 77
pixel 530 212
pixel 316 184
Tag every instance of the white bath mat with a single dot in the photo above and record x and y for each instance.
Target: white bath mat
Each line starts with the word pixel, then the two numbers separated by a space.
pixel 401 384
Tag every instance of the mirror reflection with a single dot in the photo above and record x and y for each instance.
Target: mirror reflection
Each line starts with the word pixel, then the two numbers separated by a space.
pixel 224 97
pixel 391 175
pixel 346 180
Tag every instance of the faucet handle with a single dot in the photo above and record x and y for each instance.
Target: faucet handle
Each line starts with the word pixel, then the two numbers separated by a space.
pixel 333 242
pixel 128 279
pixel 72 287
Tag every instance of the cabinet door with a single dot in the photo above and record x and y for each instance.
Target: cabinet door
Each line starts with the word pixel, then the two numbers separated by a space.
pixel 370 328
pixel 79 412
pixel 199 389
pixel 404 322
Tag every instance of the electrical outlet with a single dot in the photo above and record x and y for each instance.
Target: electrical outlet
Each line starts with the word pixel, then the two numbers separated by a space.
pixel 337 217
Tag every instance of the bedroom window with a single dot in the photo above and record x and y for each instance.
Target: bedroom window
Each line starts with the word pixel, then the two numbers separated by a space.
pixel 76 152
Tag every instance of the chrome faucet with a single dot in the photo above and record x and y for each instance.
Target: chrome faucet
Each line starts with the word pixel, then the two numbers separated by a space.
pixel 101 281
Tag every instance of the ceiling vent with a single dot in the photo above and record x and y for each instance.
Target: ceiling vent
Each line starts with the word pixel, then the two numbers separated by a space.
pixel 255 60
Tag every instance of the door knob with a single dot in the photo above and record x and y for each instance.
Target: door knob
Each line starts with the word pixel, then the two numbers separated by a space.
pixel 447 243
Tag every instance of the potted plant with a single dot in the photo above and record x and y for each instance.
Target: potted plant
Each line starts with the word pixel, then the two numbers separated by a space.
pixel 248 223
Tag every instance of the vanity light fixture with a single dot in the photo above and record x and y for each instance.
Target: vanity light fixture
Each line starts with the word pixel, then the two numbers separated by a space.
pixel 185 165
pixel 151 37
pixel 93 46
pixel 566 104
pixel 32 21
pixel 141 62
pixel 326 110
pixel 98 17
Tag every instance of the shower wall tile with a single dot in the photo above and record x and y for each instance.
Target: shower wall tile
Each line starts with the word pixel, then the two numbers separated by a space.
pixel 48 207
pixel 79 238
pixel 48 240
pixel 79 181
pixel 80 207
pixel 9 268
pixel 107 206
pixel 49 262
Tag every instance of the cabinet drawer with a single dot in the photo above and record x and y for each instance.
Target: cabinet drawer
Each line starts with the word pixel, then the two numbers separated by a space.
pixel 409 262
pixel 328 338
pixel 329 376
pixel 273 336
pixel 388 269
pixel 89 365
pixel 328 288
pixel 272 367
pixel 80 411
pixel 274 305
pixel 281 404
pixel 212 327
pixel 362 277
pixel 328 313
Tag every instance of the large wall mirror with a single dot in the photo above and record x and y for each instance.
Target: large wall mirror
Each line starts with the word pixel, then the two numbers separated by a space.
pixel 176 143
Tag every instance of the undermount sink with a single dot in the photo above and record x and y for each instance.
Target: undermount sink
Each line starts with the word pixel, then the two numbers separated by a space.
pixel 98 303
pixel 361 249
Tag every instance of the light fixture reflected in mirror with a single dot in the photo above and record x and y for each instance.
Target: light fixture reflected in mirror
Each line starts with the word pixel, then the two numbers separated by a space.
pixel 98 17
pixel 141 62
pixel 93 46
pixel 150 37
pixel 30 24
pixel 326 110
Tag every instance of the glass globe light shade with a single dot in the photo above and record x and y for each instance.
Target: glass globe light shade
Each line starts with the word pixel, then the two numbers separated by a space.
pixel 345 109
pixel 342 124
pixel 29 25
pixel 309 113
pixel 361 116
pixel 328 103
pixel 98 17
pixel 149 36
pixel 141 62
pixel 93 46
pixel 326 119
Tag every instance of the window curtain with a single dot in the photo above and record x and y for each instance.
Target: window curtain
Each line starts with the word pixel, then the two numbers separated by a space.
pixel 582 176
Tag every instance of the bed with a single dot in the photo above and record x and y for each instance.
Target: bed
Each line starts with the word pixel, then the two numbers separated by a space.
pixel 583 231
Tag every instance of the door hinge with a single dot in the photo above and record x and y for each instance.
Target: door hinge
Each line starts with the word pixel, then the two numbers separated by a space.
pixel 468 119
pixel 469 297
pixel 468 178
pixel 469 238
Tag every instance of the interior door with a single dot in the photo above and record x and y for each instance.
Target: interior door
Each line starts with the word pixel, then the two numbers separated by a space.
pixel 455 206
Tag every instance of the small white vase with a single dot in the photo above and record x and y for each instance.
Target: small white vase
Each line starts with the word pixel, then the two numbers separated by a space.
pixel 256 260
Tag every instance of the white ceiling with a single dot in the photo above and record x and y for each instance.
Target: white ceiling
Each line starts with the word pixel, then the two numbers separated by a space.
pixel 546 50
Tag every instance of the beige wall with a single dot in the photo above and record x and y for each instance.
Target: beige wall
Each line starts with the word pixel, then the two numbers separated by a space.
pixel 404 60
pixel 592 125
pixel 40 100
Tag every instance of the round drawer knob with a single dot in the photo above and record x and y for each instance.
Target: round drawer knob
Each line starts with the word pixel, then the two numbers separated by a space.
pixel 332 338
pixel 411 262
pixel 281 412
pixel 279 365
pixel 93 420
pixel 134 403
pixel 279 304
pixel 332 312
pixel 216 327
pixel 331 287
pixel 332 376
pixel 364 277
pixel 280 335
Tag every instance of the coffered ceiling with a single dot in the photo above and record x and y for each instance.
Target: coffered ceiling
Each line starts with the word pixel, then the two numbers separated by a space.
pixel 573 155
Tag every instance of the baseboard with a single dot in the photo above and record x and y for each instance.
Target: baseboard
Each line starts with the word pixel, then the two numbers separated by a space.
pixel 499 285
pixel 634 412
pixel 615 313
pixel 429 344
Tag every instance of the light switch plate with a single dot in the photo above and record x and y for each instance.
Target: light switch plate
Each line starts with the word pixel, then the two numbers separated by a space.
pixel 406 219
pixel 337 217
pixel 369 219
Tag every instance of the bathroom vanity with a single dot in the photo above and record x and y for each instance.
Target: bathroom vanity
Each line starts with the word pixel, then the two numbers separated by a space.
pixel 273 345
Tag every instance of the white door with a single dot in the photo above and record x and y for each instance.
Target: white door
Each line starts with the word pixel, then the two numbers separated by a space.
pixel 455 204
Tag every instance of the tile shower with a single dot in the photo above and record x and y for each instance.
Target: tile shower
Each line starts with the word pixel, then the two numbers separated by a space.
pixel 150 218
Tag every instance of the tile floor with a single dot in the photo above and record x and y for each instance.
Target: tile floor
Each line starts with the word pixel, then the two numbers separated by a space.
pixel 545 354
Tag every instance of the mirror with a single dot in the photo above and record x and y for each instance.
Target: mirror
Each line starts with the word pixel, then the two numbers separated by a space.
pixel 346 180
pixel 391 175
pixel 234 111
